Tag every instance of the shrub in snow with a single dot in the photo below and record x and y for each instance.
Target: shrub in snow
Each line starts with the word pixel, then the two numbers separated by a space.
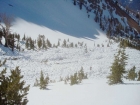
pixel 78 77
pixel 132 74
pixel 42 83
pixel 98 45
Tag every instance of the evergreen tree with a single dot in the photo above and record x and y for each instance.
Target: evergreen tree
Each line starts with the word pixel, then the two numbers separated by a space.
pixel 81 75
pixel 132 74
pixel 54 46
pixel 27 44
pixel 18 37
pixel 58 44
pixel 78 77
pixel 74 79
pixel 32 46
pixel 71 44
pixel 98 45
pixel 123 57
pixel 39 42
pixel 12 89
pixel 71 80
pixel 24 37
pixel 47 80
pixel 75 45
pixel 117 68
pixel 48 43
pixel 74 2
pixel 42 81
pixel 64 43
pixel 44 44
pixel 81 2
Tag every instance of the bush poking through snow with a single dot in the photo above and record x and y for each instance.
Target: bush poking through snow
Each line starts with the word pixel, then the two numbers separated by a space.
pixel 132 74
pixel 42 83
pixel 78 77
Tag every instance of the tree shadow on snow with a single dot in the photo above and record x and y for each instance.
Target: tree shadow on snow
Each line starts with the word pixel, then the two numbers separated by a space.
pixel 131 83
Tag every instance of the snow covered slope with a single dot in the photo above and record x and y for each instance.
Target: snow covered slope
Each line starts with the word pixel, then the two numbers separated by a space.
pixel 60 19
pixel 56 15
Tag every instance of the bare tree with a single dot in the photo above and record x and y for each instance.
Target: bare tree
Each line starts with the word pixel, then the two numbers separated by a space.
pixel 5 23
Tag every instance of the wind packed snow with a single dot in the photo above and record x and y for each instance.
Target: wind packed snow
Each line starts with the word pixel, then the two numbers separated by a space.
pixel 59 20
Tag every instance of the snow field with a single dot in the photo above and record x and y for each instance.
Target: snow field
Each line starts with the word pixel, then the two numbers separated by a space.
pixel 64 21
pixel 89 92
pixel 62 62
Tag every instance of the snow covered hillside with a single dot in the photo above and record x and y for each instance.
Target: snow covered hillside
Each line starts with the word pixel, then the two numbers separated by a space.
pixel 59 20
pixel 60 16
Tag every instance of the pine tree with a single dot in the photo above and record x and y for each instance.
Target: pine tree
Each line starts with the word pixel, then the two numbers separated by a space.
pixel 32 46
pixel 24 37
pixel 74 79
pixel 58 44
pixel 71 44
pixel 75 45
pixel 117 68
pixel 74 2
pixel 47 80
pixel 71 80
pixel 44 44
pixel 39 42
pixel 27 44
pixel 64 43
pixel 18 37
pixel 81 3
pixel 132 74
pixel 42 81
pixel 81 75
pixel 48 43
pixel 54 46
pixel 12 89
